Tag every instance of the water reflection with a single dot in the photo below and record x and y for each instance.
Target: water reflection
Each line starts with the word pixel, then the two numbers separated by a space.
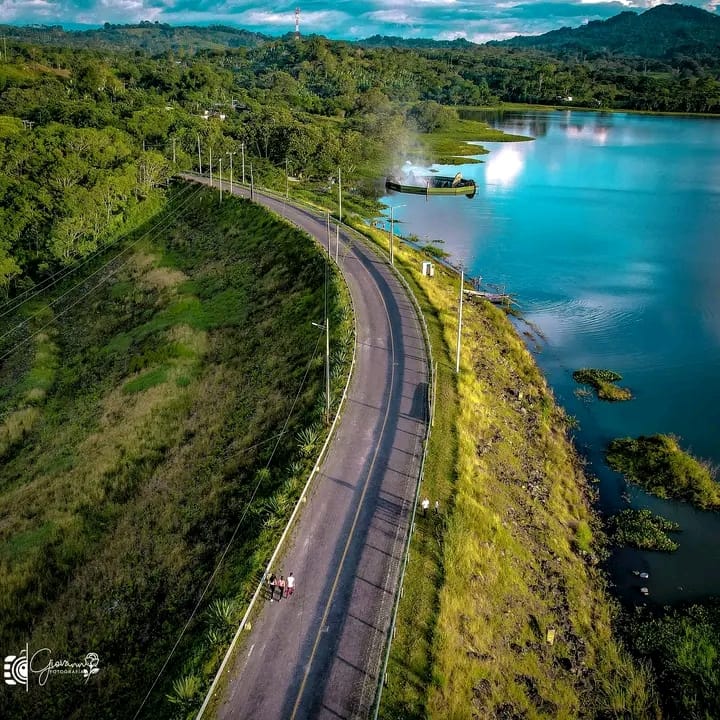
pixel 606 230
pixel 504 166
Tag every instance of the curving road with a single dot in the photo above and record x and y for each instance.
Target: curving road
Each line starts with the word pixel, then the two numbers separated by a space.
pixel 319 653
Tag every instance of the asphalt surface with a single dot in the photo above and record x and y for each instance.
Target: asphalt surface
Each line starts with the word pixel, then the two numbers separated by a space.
pixel 318 654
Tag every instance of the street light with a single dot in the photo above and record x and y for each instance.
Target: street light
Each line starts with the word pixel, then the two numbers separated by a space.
pixel 231 167
pixel 220 180
pixel 326 327
pixel 392 232
pixel 339 195
pixel 460 310
pixel 242 148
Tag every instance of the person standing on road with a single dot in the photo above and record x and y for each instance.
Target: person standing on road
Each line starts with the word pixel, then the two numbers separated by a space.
pixel 281 586
pixel 290 585
pixel 425 504
pixel 271 583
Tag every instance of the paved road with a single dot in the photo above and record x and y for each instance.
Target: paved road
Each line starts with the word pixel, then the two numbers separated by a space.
pixel 318 654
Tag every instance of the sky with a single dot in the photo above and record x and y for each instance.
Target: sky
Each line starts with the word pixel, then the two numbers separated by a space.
pixel 474 20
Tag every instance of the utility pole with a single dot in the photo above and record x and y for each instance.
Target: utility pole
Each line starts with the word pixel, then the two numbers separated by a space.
pixel 287 186
pixel 231 169
pixel 462 283
pixel 339 195
pixel 221 180
pixel 392 232
pixel 211 166
pixel 252 184
pixel 242 147
pixel 199 155
pixel 327 328
pixel 174 163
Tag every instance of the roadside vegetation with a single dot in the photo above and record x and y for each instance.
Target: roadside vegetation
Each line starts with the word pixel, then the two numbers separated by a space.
pixel 659 465
pixel 682 644
pixel 135 424
pixel 643 529
pixel 178 377
pixel 504 612
pixel 603 381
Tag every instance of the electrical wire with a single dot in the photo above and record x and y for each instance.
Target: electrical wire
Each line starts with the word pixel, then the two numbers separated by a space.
pixel 231 540
pixel 59 275
pixel 82 282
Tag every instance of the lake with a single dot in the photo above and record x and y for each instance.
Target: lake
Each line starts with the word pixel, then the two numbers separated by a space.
pixel 606 228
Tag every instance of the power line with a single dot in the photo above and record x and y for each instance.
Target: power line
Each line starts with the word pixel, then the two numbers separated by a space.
pixel 59 275
pixel 84 295
pixel 232 538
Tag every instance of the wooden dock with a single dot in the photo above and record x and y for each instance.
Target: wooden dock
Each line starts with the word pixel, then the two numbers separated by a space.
pixel 497 298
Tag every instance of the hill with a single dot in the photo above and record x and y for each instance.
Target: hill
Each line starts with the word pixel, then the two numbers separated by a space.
pixel 143 413
pixel 393 41
pixel 663 32
pixel 154 38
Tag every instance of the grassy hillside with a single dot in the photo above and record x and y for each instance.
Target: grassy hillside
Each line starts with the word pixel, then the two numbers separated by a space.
pixel 504 612
pixel 147 406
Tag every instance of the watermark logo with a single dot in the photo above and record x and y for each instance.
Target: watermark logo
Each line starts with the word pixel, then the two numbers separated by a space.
pixel 15 669
pixel 25 669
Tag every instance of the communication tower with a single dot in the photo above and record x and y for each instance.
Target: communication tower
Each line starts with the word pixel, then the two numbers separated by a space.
pixel 297 23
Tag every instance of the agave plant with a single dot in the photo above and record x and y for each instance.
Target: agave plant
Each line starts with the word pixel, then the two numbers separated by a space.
pixel 215 637
pixel 276 508
pixel 221 613
pixel 184 690
pixel 308 438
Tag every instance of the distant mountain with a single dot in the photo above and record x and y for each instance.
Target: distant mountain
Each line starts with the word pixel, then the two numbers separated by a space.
pixel 662 32
pixel 392 41
pixel 152 37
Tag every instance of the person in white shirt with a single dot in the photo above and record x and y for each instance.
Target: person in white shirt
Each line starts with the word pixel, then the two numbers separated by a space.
pixel 290 584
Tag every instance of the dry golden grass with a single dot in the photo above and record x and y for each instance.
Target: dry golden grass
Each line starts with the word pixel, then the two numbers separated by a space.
pixel 515 562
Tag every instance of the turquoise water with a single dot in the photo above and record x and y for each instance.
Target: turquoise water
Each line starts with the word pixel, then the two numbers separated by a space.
pixel 607 230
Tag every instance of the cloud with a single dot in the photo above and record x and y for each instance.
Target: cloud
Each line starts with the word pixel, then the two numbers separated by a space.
pixel 476 20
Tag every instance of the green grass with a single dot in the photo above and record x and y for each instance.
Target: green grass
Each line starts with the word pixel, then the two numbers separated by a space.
pixel 659 465
pixel 451 145
pixel 136 464
pixel 642 529
pixel 683 646
pixel 146 381
pixel 604 383
pixel 513 556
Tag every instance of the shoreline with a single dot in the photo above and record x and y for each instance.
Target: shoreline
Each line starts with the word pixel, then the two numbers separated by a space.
pixel 517 530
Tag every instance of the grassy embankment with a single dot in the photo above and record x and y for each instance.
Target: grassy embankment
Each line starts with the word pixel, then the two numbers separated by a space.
pixel 659 465
pixel 135 427
pixel 504 613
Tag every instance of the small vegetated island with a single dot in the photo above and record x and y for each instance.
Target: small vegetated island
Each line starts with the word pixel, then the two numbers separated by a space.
pixel 660 466
pixel 643 529
pixel 604 383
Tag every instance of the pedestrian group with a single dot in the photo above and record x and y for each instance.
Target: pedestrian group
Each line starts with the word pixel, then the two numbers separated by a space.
pixel 285 587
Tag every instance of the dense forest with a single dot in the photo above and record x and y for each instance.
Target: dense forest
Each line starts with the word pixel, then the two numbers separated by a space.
pixel 92 128
pixel 89 134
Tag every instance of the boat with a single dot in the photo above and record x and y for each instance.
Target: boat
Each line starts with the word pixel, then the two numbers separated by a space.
pixel 432 184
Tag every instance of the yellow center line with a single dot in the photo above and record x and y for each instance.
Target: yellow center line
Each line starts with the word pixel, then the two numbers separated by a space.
pixel 355 519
